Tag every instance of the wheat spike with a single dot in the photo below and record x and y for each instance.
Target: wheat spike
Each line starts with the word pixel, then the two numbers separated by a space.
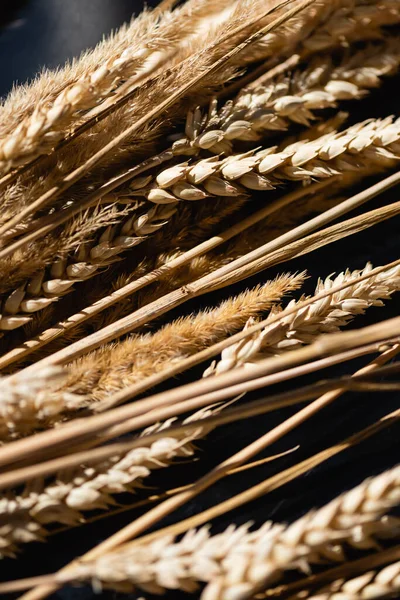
pixel 27 401
pixel 371 145
pixel 373 584
pixel 287 99
pixel 115 366
pixel 25 270
pixel 139 48
pixel 324 316
pixel 53 282
pixel 236 563
pixel 76 491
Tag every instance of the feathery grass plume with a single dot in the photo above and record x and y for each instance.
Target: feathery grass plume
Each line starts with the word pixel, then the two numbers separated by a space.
pixel 73 492
pixel 367 146
pixel 115 366
pixel 27 401
pixel 136 49
pixel 25 271
pixel 324 316
pixel 291 98
pixel 373 584
pixel 238 562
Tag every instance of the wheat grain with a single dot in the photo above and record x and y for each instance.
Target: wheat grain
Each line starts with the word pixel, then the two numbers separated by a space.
pixel 27 401
pixel 373 584
pixel 236 563
pixel 302 327
pixel 367 146
pixel 76 491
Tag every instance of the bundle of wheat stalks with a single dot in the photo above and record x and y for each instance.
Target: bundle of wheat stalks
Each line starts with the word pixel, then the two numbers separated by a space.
pixel 202 144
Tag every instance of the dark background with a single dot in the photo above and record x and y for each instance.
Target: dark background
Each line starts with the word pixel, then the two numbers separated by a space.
pixel 46 33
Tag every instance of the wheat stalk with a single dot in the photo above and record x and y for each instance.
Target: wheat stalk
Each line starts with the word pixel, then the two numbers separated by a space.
pixel 237 562
pixel 373 584
pixel 324 316
pixel 85 488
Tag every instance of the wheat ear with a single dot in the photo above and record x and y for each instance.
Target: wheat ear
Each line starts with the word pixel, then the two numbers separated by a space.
pixel 292 98
pixel 369 145
pixel 50 284
pixel 85 488
pixel 141 47
pixel 115 366
pixel 324 316
pixel 373 584
pixel 236 563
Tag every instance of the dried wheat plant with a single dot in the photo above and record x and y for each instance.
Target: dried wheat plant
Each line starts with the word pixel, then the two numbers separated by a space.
pixel 149 172
pixel 238 562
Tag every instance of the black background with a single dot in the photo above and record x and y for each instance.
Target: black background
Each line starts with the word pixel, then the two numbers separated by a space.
pixel 46 33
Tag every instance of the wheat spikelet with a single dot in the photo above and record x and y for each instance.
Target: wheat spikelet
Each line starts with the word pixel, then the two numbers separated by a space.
pixel 27 401
pixel 373 584
pixel 325 316
pixel 369 146
pixel 293 98
pixel 76 491
pixel 236 563
pixel 115 366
